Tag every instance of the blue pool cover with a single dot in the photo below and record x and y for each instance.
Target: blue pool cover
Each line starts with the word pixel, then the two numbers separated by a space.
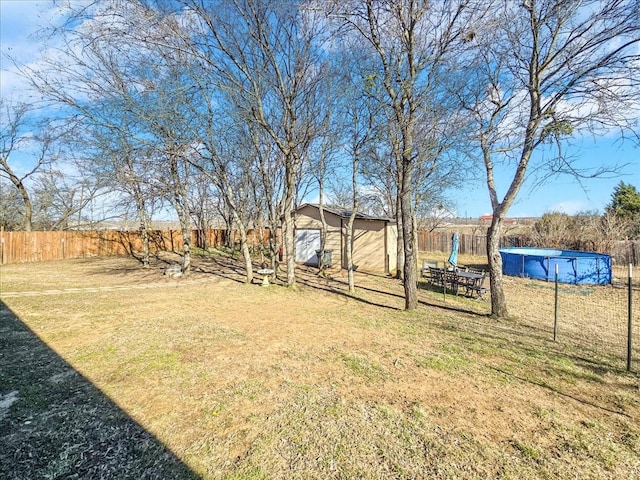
pixel 573 266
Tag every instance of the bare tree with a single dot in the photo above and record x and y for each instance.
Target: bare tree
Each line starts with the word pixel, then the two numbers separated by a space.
pixel 412 40
pixel 323 156
pixel 267 58
pixel 547 70
pixel 608 230
pixel 64 201
pixel 203 199
pixel 17 136
pixel 379 173
pixel 51 199
pixel 433 214
pixel 361 116
pixel 271 186
pixel 11 206
pixel 123 166
pixel 95 80
pixel 554 230
pixel 228 165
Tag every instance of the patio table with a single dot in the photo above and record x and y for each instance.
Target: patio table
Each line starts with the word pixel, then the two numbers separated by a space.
pixel 471 281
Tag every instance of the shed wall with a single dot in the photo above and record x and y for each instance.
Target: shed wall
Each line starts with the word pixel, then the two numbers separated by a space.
pixel 374 247
pixel 369 252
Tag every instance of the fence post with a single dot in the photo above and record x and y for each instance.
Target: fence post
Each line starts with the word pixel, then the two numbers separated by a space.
pixel 555 311
pixel 444 285
pixel 630 316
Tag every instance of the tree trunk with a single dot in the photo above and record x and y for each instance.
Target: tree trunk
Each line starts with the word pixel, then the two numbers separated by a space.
pixel 228 232
pixel 288 227
pixel 244 247
pixel 399 240
pixel 410 258
pixel 186 249
pixel 352 219
pixel 274 242
pixel 181 205
pixel 28 210
pixel 498 299
pixel 143 217
pixel 349 251
pixel 144 234
pixel 28 207
pixel 289 247
pixel 323 233
pixel 260 224
pixel 414 222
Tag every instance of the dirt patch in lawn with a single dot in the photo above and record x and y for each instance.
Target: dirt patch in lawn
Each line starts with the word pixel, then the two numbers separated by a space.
pixel 241 381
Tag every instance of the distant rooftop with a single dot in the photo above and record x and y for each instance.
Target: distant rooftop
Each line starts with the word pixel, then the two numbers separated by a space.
pixel 489 217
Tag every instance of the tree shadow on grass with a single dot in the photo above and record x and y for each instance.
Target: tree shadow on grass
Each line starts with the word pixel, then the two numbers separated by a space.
pixel 229 268
pixel 223 267
pixel 579 399
pixel 528 355
pixel 55 424
pixel 335 288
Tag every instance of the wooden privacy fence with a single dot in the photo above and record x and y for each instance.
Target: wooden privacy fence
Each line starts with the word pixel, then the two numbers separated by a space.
pixel 623 252
pixel 441 242
pixel 23 247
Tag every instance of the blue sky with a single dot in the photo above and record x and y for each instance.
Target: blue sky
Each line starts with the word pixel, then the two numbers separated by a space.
pixel 565 193
pixel 19 19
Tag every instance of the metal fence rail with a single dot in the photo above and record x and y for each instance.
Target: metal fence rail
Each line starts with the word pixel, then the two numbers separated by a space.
pixel 599 319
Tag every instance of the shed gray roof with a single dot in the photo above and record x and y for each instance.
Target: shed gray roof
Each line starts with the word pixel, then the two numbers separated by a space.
pixel 346 213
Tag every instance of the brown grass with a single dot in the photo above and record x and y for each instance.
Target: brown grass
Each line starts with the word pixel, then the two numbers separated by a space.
pixel 229 380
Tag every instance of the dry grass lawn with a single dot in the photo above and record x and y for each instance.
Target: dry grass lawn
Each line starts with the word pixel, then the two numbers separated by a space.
pixel 111 371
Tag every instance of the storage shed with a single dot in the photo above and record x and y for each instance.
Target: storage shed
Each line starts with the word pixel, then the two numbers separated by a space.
pixel 375 238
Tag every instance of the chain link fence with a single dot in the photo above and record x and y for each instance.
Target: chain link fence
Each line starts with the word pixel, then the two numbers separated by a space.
pixel 601 321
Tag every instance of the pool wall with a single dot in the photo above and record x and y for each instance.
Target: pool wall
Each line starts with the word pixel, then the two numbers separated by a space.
pixel 573 266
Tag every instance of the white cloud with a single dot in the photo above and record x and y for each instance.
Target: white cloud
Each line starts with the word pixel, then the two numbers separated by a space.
pixel 22 39
pixel 19 22
pixel 570 207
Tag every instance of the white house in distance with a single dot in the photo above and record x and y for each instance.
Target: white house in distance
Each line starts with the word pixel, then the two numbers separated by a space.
pixel 375 239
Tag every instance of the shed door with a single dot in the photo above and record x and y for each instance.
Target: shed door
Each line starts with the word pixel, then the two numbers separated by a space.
pixel 307 242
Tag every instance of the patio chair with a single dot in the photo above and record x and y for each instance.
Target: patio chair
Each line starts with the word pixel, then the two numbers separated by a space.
pixel 436 276
pixel 479 287
pixel 451 281
pixel 424 271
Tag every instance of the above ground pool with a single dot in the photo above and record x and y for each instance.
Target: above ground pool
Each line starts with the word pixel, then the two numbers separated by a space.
pixel 573 267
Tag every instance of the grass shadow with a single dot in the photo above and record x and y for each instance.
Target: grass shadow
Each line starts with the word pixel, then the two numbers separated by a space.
pixel 529 355
pixel 338 289
pixel 223 267
pixel 54 423
pixel 559 392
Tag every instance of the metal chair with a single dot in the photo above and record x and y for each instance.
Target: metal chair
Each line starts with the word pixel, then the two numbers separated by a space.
pixel 479 287
pixel 451 280
pixel 426 264
pixel 436 276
